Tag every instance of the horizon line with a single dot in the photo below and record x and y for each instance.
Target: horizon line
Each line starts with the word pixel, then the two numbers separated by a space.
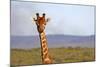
pixel 55 35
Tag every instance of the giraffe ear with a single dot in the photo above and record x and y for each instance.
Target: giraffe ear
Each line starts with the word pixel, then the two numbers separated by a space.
pixel 48 19
pixel 34 19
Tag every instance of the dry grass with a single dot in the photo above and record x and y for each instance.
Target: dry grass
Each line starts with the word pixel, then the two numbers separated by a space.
pixel 58 55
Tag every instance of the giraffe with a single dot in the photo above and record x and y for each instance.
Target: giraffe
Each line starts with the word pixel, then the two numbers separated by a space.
pixel 41 23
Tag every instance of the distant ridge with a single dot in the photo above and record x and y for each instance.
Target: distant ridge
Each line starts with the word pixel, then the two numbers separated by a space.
pixel 27 42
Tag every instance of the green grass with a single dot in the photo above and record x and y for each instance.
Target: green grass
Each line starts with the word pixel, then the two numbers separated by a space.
pixel 58 55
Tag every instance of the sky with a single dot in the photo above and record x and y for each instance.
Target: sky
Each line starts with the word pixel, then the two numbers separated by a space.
pixel 65 19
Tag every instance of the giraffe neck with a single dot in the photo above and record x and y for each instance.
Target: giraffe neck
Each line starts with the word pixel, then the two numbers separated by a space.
pixel 44 49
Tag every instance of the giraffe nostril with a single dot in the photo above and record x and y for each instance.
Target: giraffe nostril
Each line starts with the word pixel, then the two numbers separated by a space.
pixel 40 30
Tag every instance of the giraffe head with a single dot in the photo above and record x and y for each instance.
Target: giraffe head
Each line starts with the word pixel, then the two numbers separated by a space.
pixel 40 22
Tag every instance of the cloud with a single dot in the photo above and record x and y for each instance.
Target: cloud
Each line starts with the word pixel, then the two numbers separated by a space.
pixel 65 19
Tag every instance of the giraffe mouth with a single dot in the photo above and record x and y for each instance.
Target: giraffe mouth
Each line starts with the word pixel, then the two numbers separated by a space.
pixel 41 28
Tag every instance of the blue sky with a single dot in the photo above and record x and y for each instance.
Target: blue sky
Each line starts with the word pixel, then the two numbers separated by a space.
pixel 64 19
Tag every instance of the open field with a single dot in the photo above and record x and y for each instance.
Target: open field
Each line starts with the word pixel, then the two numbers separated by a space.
pixel 58 55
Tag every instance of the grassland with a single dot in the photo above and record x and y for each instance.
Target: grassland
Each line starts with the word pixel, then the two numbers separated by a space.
pixel 58 55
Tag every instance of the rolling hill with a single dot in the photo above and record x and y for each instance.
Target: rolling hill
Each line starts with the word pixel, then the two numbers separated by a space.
pixel 27 42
